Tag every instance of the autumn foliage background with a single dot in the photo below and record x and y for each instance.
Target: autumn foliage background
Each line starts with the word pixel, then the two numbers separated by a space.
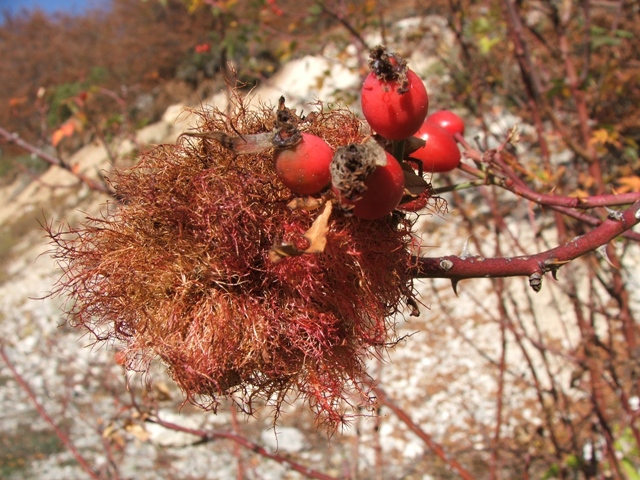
pixel 573 77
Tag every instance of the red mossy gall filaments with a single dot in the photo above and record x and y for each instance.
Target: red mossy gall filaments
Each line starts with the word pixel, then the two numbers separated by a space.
pixel 205 265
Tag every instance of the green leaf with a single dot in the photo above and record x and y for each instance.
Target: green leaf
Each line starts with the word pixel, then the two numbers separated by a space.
pixel 315 10
pixel 605 41
pixel 486 44
pixel 630 469
pixel 624 34
pixel 573 462
pixel 482 25
pixel 599 31
pixel 552 472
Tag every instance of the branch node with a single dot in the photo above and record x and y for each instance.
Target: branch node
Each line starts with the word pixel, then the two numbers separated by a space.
pixel 446 265
pixel 535 281
pixel 553 265
pixel 615 215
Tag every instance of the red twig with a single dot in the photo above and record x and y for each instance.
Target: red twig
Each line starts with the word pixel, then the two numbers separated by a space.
pixel 518 187
pixel 596 380
pixel 528 74
pixel 47 418
pixel 570 206
pixel 343 20
pixel 236 447
pixel 50 159
pixel 246 443
pixel 384 399
pixel 494 466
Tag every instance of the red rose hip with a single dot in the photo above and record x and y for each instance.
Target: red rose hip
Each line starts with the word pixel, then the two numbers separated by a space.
pixel 394 100
pixel 440 153
pixel 385 187
pixel 448 120
pixel 304 168
pixel 367 180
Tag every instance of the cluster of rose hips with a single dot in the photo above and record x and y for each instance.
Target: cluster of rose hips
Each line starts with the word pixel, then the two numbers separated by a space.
pixel 367 179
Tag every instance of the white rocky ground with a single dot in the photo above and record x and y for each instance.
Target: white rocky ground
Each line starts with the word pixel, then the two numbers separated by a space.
pixel 442 374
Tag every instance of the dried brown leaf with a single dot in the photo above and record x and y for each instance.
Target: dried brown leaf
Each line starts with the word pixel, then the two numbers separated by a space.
pixel 316 235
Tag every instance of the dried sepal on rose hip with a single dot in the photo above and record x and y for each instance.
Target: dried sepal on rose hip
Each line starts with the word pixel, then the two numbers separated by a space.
pixel 285 134
pixel 367 180
pixel 394 99
pixel 417 191
pixel 301 160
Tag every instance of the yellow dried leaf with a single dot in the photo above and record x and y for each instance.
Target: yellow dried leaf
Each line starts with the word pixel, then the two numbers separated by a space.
pixel 579 194
pixel 137 431
pixel 65 130
pixel 602 137
pixel 316 236
pixel 305 203
pixel 629 184
pixel 107 432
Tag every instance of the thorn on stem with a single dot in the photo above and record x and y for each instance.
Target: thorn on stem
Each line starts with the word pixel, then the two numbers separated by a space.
pixel 454 285
pixel 465 249
pixel 602 250
pixel 553 265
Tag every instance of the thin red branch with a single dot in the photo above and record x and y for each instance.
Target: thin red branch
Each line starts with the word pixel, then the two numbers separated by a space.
pixel 246 443
pixel 236 447
pixel 343 20
pixel 384 399
pixel 64 438
pixel 528 74
pixel 50 159
pixel 596 379
pixel 517 186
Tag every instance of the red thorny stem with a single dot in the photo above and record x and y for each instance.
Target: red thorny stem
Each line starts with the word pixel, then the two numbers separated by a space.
pixel 465 266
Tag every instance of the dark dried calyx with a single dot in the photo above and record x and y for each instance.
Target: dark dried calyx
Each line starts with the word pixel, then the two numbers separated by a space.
pixel 351 166
pixel 287 133
pixel 389 67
